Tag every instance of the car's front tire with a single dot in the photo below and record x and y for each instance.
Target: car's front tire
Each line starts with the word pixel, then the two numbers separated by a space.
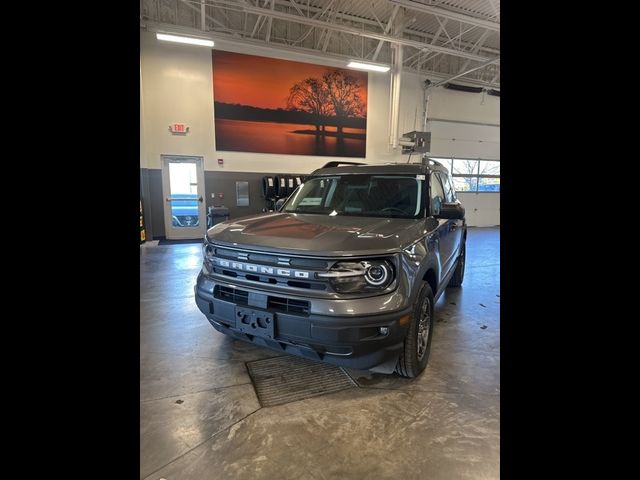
pixel 417 344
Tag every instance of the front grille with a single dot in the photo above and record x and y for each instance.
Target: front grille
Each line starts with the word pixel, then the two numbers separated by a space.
pixel 288 305
pixel 245 267
pixel 269 259
pixel 270 280
pixel 281 304
pixel 233 295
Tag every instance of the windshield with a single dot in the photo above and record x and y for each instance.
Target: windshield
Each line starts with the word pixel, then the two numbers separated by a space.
pixel 398 196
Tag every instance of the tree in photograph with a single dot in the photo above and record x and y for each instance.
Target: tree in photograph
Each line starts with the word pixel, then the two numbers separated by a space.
pixel 310 96
pixel 344 95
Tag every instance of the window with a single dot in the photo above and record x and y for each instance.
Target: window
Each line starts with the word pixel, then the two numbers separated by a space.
pixel 392 196
pixel 488 167
pixel 489 184
pixel 465 167
pixel 449 193
pixel 451 187
pixel 466 184
pixel 437 195
pixel 472 175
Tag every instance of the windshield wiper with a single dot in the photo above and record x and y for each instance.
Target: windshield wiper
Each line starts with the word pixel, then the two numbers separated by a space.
pixel 314 212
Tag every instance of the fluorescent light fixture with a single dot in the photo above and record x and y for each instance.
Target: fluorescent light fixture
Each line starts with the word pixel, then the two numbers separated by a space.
pixel 187 40
pixel 368 66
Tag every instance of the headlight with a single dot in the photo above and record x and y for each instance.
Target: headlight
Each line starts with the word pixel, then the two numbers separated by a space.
pixel 360 276
pixel 378 274
pixel 207 248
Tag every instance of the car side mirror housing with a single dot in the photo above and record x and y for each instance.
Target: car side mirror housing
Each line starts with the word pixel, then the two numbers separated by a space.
pixel 452 211
pixel 279 204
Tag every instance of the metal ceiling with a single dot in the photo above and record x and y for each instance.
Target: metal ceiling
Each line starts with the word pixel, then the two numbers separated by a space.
pixel 440 38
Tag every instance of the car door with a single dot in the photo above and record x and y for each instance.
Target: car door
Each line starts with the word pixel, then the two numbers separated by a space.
pixel 445 244
pixel 454 226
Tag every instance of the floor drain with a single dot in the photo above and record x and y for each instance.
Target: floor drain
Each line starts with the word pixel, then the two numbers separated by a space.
pixel 288 379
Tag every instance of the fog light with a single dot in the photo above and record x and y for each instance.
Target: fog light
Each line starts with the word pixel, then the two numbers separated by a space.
pixel 383 330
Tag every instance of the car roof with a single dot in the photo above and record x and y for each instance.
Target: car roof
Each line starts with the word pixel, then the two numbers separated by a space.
pixel 381 168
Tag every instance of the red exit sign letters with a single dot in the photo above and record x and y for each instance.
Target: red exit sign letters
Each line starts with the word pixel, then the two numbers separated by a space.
pixel 178 129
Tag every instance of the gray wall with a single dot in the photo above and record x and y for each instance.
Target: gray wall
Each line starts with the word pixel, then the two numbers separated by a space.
pixel 214 183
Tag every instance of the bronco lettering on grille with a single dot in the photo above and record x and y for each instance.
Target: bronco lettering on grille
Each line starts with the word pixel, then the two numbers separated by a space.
pixel 247 267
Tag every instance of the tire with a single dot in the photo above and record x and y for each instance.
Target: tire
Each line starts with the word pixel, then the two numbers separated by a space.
pixel 458 275
pixel 413 357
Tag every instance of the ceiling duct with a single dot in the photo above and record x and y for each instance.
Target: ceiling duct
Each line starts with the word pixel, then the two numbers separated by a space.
pixel 463 88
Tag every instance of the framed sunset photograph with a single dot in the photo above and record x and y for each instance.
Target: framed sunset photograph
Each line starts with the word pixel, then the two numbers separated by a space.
pixel 268 105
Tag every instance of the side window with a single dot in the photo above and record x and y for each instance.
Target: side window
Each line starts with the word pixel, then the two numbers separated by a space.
pixel 437 195
pixel 449 193
pixel 453 190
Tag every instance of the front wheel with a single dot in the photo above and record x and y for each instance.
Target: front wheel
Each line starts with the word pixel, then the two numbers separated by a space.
pixel 417 344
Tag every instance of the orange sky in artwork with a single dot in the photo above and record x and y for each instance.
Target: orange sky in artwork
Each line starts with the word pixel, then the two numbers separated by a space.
pixel 264 82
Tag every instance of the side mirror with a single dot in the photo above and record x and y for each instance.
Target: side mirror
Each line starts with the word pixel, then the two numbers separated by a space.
pixel 279 204
pixel 453 211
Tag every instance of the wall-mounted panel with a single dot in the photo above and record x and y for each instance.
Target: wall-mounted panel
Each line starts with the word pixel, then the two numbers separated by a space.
pixel 286 107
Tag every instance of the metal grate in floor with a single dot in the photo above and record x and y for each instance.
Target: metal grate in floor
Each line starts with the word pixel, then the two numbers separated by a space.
pixel 287 379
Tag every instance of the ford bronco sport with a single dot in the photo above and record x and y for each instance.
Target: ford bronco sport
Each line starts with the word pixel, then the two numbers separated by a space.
pixel 347 271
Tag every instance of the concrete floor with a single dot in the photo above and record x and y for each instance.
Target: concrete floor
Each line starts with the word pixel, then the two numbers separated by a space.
pixel 200 417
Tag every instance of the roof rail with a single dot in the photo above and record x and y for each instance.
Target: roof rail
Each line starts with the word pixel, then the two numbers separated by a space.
pixel 426 160
pixel 337 164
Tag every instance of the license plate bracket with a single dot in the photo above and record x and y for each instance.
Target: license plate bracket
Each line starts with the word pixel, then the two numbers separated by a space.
pixel 255 322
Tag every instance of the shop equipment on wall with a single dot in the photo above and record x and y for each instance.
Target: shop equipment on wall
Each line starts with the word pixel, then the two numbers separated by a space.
pixel 278 187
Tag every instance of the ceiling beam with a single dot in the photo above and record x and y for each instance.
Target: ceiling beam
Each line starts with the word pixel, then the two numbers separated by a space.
pixel 420 61
pixel 201 11
pixel 367 21
pixel 495 8
pixel 387 29
pixel 452 40
pixel 346 29
pixel 327 37
pixel 476 47
pixel 230 40
pixel 270 24
pixel 477 67
pixel 442 13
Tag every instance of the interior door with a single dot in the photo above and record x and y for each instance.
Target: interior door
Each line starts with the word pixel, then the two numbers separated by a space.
pixel 183 192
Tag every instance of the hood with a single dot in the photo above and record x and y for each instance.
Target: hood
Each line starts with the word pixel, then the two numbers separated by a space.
pixel 320 235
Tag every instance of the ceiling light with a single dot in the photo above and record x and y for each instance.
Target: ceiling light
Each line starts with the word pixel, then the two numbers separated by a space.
pixel 368 66
pixel 188 40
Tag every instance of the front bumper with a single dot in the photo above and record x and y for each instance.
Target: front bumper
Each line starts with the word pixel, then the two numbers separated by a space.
pixel 348 341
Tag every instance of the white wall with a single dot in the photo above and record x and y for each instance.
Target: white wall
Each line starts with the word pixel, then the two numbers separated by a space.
pixel 463 125
pixel 177 86
pixel 481 209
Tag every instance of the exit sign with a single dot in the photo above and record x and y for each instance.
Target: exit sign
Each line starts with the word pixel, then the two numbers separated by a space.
pixel 178 129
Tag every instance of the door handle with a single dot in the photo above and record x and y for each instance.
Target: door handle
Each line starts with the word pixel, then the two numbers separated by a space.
pixel 200 199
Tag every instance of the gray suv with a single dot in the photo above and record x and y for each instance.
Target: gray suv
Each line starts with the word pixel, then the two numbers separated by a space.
pixel 347 271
